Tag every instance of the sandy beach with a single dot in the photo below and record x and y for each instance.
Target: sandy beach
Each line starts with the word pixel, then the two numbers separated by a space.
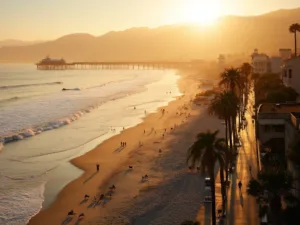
pixel 157 147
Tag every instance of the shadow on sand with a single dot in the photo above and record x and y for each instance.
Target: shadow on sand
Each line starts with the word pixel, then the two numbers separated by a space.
pixel 67 220
pixel 90 177
pixel 127 171
pixel 83 201
pixel 119 149
pixel 241 200
pixel 77 222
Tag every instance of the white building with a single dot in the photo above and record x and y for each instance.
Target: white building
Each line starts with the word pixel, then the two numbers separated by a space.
pixel 275 64
pixel 285 53
pixel 260 63
pixel 291 73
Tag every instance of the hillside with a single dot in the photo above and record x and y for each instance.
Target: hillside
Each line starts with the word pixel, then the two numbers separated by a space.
pixel 232 34
pixel 12 42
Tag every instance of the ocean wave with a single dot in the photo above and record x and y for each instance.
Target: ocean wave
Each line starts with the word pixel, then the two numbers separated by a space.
pixel 58 151
pixel 29 85
pixel 30 132
pixel 29 177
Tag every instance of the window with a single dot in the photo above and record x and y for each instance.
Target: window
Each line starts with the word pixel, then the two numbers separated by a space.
pixel 267 128
pixel 290 73
pixel 278 128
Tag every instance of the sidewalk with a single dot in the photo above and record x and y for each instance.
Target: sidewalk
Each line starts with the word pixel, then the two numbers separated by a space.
pixel 242 209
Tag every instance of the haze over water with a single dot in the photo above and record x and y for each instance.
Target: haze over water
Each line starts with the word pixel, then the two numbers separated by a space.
pixel 32 102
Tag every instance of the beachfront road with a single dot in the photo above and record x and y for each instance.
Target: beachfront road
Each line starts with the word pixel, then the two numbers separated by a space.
pixel 242 208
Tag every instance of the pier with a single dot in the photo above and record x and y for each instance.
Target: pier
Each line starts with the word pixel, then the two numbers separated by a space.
pixel 61 64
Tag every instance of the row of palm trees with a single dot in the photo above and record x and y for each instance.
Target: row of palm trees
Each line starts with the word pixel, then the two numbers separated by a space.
pixel 208 150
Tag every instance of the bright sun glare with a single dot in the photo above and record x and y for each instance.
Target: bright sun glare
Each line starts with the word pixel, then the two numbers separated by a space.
pixel 204 12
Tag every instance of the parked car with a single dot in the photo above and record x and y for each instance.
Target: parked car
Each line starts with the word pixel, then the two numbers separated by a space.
pixel 238 143
pixel 207 183
pixel 231 169
pixel 207 199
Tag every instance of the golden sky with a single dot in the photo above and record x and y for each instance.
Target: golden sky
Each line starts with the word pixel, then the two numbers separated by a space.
pixel 49 19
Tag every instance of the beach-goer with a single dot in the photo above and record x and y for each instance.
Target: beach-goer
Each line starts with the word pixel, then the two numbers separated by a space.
pixel 130 167
pixel 144 131
pixel 71 213
pixel 101 196
pixel 240 185
pixel 81 216
pixel 159 151
pixel 86 197
pixel 98 167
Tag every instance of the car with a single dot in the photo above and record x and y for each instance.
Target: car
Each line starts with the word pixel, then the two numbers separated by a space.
pixel 231 169
pixel 207 199
pixel 237 144
pixel 207 183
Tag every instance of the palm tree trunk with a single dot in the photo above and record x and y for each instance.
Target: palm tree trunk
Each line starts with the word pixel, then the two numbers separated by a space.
pixel 234 129
pixel 230 133
pixel 213 197
pixel 227 149
pixel 226 132
pixel 295 43
pixel 223 187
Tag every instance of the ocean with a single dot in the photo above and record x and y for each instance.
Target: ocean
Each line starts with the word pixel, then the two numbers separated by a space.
pixel 43 127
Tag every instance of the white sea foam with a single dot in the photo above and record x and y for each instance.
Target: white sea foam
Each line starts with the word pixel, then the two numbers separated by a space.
pixel 13 211
pixel 51 112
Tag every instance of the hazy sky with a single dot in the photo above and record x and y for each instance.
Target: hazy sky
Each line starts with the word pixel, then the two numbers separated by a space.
pixel 49 19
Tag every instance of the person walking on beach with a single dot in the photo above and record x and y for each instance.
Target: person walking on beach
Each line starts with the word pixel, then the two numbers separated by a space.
pixel 98 167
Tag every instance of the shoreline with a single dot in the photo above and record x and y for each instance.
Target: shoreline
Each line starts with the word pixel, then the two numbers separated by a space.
pixel 112 163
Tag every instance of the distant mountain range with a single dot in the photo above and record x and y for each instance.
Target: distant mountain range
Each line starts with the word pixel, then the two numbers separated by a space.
pixel 13 42
pixel 232 34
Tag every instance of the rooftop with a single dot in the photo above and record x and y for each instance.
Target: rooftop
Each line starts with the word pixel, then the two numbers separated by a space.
pixel 279 108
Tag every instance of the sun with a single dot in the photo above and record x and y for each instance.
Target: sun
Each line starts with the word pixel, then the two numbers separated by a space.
pixel 204 12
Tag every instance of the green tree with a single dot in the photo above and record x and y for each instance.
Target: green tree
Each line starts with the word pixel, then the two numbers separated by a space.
pixel 273 181
pixel 290 213
pixel 205 152
pixel 294 28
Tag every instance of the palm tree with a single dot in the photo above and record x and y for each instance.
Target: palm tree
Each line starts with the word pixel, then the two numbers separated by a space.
pixel 294 28
pixel 231 80
pixel 225 105
pixel 205 152
pixel 246 70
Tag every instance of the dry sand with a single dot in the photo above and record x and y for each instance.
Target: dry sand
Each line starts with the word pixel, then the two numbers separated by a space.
pixel 170 195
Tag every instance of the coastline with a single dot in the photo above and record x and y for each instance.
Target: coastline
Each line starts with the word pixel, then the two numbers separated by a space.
pixel 113 163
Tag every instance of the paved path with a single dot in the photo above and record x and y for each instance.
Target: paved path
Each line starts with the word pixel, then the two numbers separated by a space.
pixel 242 208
